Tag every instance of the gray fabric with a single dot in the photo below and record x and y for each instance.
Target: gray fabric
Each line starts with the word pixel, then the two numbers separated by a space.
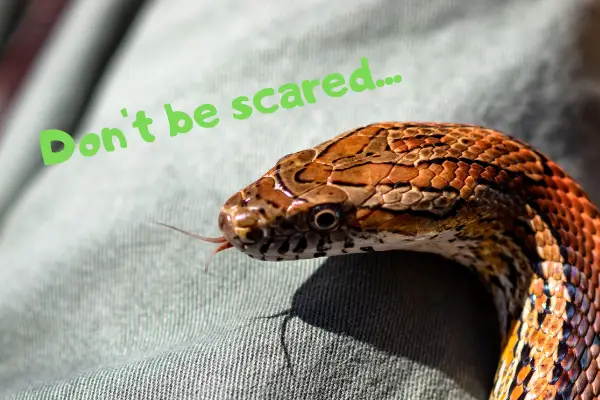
pixel 98 302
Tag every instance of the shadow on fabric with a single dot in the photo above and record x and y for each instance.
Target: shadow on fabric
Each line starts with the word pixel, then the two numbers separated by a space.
pixel 398 302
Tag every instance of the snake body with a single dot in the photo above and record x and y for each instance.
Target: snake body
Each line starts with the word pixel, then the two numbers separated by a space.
pixel 471 194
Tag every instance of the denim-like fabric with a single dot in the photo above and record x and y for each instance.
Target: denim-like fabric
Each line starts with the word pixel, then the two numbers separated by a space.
pixel 97 302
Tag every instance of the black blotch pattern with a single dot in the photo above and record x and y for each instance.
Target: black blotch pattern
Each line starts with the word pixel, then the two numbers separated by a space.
pixel 265 247
pixel 525 357
pixel 348 243
pixel 284 248
pixel 540 318
pixel 301 246
pixel 557 371
pixel 570 310
pixel 321 245
pixel 562 350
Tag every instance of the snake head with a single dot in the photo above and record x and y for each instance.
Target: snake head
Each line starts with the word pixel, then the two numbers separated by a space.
pixel 347 195
pixel 269 223
pixel 289 213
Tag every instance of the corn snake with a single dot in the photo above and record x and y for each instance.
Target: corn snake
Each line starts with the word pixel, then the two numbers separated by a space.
pixel 471 194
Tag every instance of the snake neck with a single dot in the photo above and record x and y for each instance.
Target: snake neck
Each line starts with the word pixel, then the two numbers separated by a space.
pixel 501 251
pixel 539 258
pixel 553 342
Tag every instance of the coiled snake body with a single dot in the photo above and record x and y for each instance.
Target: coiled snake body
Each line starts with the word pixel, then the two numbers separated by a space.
pixel 471 194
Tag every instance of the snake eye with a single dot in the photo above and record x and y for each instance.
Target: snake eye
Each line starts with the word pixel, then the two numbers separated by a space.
pixel 325 217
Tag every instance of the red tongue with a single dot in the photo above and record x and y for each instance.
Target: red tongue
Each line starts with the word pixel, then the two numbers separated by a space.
pixel 223 243
pixel 203 238
pixel 222 247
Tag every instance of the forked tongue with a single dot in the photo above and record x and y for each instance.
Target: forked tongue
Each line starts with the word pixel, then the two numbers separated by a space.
pixel 224 244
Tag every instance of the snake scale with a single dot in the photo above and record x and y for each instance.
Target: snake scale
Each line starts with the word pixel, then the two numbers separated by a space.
pixel 471 194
